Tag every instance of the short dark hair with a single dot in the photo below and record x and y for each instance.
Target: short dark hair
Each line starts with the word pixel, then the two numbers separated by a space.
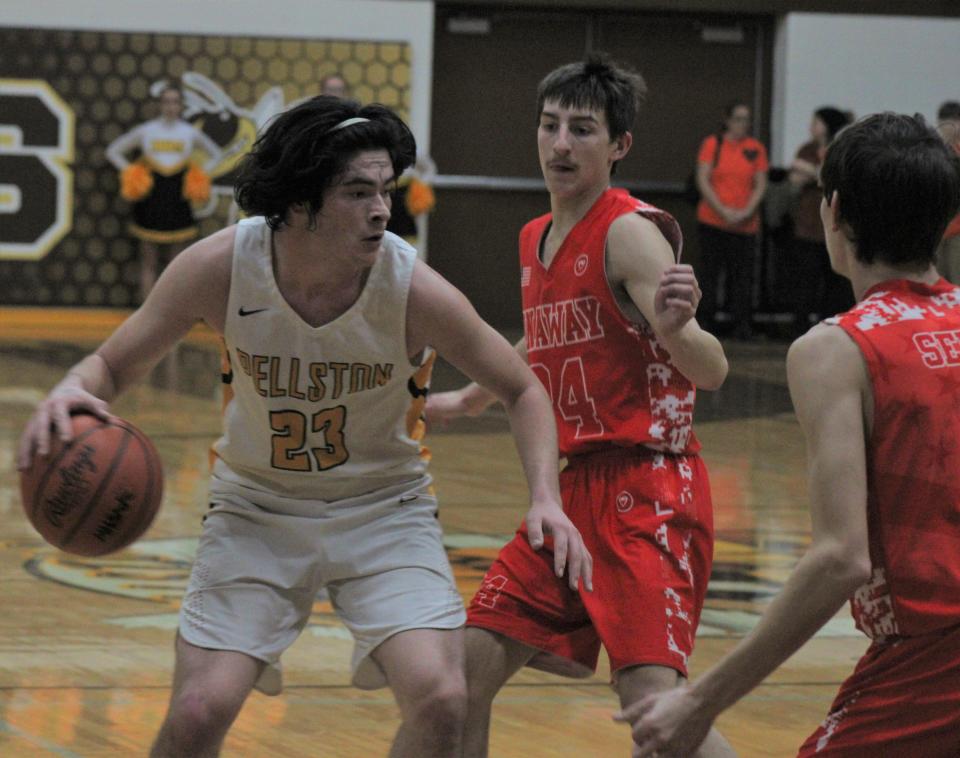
pixel 949 111
pixel 834 119
pixel 301 154
pixel 898 184
pixel 597 83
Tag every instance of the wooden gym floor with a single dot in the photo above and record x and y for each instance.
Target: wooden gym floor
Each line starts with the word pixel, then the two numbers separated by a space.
pixel 86 645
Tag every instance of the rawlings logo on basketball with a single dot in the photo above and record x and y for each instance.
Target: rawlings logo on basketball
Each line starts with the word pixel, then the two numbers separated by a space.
pixel 97 494
pixel 73 485
pixel 114 518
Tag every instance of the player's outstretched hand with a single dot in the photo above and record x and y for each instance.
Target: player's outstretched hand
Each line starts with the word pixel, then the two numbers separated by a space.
pixel 53 414
pixel 570 555
pixel 677 298
pixel 669 723
pixel 443 407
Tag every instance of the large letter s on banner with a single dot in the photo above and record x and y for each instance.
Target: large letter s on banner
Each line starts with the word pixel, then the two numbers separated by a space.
pixel 36 181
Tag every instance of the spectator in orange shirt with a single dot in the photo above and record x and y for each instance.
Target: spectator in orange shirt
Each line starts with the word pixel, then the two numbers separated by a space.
pixel 948 254
pixel 732 179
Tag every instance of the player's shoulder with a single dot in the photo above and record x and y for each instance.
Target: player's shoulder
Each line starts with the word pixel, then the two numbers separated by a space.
pixel 536 225
pixel 824 353
pixel 394 244
pixel 212 255
pixel 633 232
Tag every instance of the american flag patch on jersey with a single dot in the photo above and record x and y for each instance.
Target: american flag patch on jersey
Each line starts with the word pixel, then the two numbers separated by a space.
pixel 524 276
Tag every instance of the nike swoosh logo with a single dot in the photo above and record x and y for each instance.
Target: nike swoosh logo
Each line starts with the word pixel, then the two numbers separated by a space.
pixel 242 312
pixel 408 498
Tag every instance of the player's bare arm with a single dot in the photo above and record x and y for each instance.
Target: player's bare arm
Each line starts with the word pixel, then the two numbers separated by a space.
pixel 643 276
pixel 438 315
pixel 830 391
pixel 470 400
pixel 193 288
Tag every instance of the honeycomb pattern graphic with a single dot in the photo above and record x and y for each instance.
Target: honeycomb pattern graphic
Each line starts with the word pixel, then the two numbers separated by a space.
pixel 105 77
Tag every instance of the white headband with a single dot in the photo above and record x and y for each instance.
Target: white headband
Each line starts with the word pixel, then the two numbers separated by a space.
pixel 346 123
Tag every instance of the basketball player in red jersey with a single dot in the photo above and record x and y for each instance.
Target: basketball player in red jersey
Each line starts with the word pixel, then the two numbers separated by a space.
pixel 875 390
pixel 609 329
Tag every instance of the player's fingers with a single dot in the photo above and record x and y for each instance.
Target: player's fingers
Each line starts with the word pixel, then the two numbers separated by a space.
pixel 559 552
pixel 101 408
pixel 587 569
pixel 574 562
pixel 25 448
pixel 679 291
pixel 61 420
pixel 535 533
pixel 684 306
pixel 633 711
pixel 41 431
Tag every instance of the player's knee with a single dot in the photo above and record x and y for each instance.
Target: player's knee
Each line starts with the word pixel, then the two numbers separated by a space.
pixel 441 703
pixel 636 682
pixel 198 717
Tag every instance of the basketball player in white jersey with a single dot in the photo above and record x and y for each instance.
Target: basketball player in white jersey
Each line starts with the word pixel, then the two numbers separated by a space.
pixel 329 322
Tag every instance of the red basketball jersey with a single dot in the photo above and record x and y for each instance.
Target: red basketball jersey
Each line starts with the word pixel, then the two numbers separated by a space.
pixel 610 381
pixel 909 335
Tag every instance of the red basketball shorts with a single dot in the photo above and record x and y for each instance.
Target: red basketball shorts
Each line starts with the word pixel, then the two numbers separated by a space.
pixel 903 699
pixel 647 520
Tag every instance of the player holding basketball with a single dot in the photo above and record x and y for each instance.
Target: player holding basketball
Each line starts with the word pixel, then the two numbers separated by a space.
pixel 609 329
pixel 329 324
pixel 875 391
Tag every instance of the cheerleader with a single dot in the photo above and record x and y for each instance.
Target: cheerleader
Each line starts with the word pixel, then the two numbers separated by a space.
pixel 163 182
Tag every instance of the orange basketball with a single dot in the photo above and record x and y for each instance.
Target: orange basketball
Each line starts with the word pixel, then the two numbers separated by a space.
pixel 98 493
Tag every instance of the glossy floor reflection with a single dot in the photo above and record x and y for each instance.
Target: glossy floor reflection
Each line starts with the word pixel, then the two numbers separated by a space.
pixel 86 644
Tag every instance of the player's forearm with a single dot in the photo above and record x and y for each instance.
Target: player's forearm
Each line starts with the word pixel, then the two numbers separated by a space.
pixel 535 435
pixel 818 587
pixel 92 375
pixel 698 355
pixel 475 398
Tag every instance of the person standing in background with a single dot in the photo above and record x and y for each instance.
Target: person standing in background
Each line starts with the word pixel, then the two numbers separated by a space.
pixel 163 182
pixel 819 289
pixel 948 254
pixel 334 85
pixel 732 179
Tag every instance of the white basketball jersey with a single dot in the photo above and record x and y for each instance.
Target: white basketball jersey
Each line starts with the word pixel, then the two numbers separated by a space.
pixel 325 412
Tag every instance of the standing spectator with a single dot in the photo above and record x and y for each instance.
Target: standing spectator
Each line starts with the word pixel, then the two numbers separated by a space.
pixel 335 85
pixel 163 181
pixel 732 179
pixel 948 254
pixel 819 289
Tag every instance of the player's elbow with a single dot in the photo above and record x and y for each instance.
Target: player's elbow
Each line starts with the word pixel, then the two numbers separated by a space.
pixel 846 566
pixel 715 378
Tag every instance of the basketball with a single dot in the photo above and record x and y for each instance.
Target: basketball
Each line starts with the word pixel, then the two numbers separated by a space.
pixel 98 493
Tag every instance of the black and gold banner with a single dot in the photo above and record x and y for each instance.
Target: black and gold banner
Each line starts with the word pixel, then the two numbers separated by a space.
pixel 65 95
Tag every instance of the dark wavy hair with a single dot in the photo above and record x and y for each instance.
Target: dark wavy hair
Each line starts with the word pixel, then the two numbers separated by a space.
pixel 596 83
pixel 898 184
pixel 300 155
